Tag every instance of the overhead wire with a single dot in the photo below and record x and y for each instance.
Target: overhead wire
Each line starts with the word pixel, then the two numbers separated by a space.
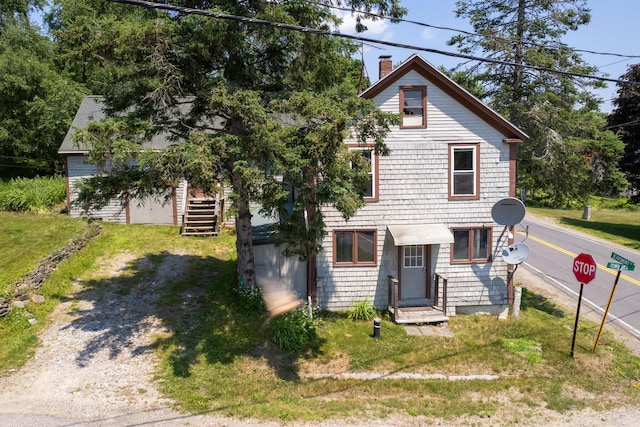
pixel 468 33
pixel 309 30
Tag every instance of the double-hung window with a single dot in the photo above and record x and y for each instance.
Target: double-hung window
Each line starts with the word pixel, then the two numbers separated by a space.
pixel 413 106
pixel 354 247
pixel 471 245
pixel 371 159
pixel 464 173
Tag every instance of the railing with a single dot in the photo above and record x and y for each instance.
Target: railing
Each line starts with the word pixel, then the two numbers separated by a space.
pixel 392 294
pixel 436 297
pixel 440 293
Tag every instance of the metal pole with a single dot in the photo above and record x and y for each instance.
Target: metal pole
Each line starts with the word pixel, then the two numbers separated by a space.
pixel 606 311
pixel 575 327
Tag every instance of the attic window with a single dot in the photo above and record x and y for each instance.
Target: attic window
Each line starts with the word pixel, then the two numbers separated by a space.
pixel 413 106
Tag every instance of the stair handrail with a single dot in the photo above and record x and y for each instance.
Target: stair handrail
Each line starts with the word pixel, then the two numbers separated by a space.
pixel 185 195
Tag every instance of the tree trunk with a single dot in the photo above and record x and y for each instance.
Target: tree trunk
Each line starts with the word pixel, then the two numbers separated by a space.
pixel 518 70
pixel 244 244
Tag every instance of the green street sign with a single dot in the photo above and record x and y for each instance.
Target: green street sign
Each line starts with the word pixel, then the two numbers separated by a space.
pixel 616 266
pixel 622 260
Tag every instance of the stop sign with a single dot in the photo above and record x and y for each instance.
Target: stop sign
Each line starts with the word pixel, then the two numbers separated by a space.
pixel 584 268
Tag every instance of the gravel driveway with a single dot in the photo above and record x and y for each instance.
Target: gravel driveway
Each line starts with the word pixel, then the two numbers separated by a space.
pixel 95 366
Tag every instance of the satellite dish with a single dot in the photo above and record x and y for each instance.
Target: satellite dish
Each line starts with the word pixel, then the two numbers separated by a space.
pixel 516 253
pixel 509 211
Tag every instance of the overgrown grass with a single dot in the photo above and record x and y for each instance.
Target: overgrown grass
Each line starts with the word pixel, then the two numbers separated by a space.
pixel 39 194
pixel 621 226
pixel 217 357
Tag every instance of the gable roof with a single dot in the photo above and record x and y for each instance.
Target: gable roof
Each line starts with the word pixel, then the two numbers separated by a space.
pixel 442 81
pixel 92 110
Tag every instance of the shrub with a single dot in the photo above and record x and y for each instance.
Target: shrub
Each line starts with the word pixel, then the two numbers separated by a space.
pixel 39 194
pixel 293 331
pixel 250 301
pixel 363 310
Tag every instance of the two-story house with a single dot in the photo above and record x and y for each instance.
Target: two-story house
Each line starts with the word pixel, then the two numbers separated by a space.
pixel 426 242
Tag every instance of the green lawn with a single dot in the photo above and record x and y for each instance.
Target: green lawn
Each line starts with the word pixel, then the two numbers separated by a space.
pixel 621 226
pixel 217 357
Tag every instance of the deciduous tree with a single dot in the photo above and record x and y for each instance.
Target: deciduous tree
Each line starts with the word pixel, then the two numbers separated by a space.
pixel 38 102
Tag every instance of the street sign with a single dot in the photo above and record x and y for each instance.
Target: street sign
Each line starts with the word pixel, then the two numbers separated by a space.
pixel 623 261
pixel 616 266
pixel 584 268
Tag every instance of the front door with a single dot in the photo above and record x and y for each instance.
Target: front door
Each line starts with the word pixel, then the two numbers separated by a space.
pixel 414 272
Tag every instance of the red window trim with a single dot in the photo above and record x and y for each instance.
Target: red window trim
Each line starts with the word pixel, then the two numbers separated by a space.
pixel 476 196
pixel 376 175
pixel 470 259
pixel 355 263
pixel 423 89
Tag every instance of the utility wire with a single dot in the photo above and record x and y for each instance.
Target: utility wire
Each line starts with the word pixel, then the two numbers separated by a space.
pixel 308 30
pixel 468 33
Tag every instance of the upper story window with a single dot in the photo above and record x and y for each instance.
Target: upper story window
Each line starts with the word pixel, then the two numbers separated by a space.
pixel 371 159
pixel 354 247
pixel 471 245
pixel 413 106
pixel 464 171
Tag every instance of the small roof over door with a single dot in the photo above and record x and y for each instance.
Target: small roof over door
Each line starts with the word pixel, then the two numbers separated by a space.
pixel 420 234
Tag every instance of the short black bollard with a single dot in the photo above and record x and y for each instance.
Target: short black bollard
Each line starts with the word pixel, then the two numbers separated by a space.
pixel 376 328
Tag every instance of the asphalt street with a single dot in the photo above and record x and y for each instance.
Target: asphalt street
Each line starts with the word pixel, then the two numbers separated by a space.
pixel 552 250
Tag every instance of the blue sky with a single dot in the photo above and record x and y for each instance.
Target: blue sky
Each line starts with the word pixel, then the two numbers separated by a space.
pixel 614 28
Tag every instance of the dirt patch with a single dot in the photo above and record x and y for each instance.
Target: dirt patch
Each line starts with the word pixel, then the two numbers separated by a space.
pixel 96 357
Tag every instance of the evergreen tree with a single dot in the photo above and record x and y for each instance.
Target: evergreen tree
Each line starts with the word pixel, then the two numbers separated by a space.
pixel 625 120
pixel 254 106
pixel 518 34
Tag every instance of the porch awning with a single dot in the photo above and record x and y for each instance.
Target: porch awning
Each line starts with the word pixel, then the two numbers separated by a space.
pixel 420 234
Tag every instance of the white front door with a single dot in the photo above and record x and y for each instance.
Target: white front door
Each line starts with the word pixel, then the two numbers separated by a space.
pixel 413 272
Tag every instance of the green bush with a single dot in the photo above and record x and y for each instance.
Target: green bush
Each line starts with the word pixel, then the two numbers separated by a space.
pixel 39 194
pixel 363 310
pixel 293 331
pixel 250 301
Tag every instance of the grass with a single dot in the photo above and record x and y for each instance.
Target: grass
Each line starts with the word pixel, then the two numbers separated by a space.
pixel 620 226
pixel 38 194
pixel 27 238
pixel 217 358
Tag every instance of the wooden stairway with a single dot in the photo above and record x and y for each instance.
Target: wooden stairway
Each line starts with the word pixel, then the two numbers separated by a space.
pixel 200 218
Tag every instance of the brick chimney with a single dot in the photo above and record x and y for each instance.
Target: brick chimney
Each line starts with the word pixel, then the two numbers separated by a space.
pixel 385 66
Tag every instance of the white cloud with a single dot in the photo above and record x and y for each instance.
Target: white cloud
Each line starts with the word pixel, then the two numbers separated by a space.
pixel 427 34
pixel 377 29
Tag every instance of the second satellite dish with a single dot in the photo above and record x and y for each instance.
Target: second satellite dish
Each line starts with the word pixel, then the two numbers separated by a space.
pixel 516 253
pixel 509 211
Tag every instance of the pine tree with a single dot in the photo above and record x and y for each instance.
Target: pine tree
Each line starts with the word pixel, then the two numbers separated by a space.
pixel 523 41
pixel 625 120
pixel 254 106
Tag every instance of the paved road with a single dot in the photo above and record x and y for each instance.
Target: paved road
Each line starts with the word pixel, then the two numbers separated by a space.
pixel 552 250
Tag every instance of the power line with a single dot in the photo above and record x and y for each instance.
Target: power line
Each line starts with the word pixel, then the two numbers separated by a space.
pixel 469 33
pixel 308 30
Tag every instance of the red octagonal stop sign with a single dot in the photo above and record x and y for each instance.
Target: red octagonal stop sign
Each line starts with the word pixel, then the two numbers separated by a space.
pixel 584 268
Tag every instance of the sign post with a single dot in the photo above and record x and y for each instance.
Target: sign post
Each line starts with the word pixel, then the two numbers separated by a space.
pixel 584 268
pixel 623 264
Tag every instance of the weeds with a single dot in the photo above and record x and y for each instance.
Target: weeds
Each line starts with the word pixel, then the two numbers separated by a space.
pixel 293 331
pixel 32 195
pixel 362 311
